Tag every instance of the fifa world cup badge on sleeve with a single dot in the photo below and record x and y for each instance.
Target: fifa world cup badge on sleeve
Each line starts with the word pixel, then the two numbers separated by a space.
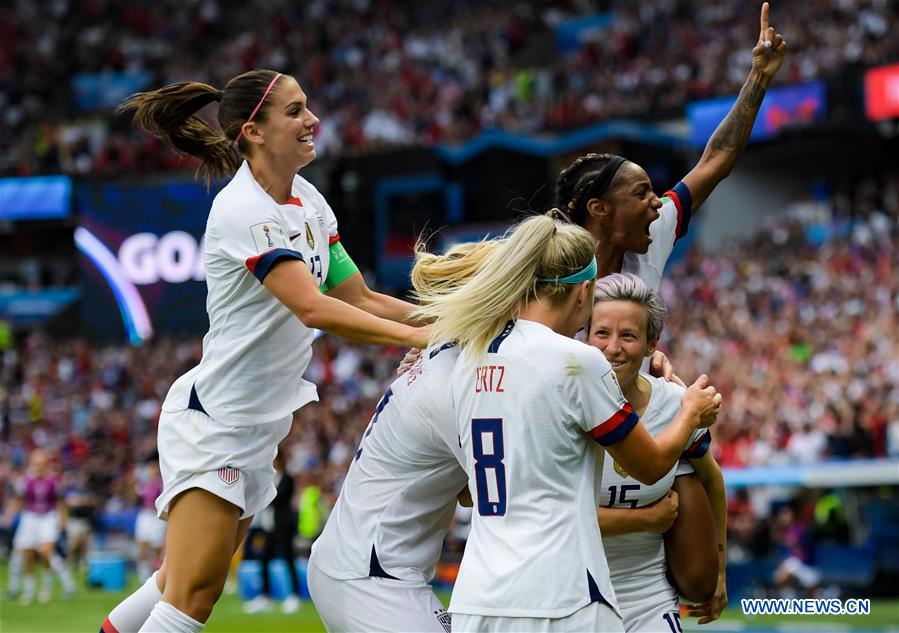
pixel 268 235
pixel 611 382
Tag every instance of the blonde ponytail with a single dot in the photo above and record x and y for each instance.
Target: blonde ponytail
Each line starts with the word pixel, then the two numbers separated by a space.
pixel 433 275
pixel 507 279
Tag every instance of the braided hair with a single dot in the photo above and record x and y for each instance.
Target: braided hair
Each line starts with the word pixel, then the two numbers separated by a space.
pixel 590 176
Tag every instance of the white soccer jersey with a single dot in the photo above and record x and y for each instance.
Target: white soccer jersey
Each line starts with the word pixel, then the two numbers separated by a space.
pixel 670 226
pixel 637 560
pixel 399 495
pixel 526 415
pixel 256 350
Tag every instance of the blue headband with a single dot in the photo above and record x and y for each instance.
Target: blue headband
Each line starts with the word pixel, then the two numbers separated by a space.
pixel 587 273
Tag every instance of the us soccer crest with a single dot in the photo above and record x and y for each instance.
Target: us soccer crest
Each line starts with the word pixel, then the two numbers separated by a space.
pixel 445 619
pixel 310 238
pixel 619 469
pixel 229 475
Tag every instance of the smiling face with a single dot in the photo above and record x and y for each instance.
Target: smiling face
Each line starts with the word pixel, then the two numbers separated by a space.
pixel 285 136
pixel 632 206
pixel 619 330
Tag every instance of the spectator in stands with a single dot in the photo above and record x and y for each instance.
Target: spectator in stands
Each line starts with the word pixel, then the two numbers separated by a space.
pixel 453 68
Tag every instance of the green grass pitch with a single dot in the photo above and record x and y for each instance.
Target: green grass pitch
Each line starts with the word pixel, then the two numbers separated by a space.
pixel 86 611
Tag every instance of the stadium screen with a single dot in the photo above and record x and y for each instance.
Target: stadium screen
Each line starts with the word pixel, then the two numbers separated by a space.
pixel 882 92
pixel 140 256
pixel 783 107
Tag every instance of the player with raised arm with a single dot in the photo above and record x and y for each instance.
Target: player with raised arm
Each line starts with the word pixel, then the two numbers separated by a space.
pixel 529 402
pixel 636 231
pixel 626 324
pixel 370 568
pixel 271 244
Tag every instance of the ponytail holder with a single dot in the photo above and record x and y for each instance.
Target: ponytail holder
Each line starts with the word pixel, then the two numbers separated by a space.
pixel 557 214
pixel 587 273
pixel 219 95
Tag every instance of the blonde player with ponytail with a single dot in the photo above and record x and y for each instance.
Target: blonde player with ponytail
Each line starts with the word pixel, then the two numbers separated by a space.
pixel 370 568
pixel 529 403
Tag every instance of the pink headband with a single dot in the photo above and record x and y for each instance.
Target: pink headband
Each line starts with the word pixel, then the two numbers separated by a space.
pixel 258 105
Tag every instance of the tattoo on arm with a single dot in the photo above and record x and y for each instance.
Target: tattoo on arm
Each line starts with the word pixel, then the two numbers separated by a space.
pixel 733 132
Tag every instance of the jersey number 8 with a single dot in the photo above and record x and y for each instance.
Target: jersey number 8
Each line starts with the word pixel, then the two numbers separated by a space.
pixel 488 460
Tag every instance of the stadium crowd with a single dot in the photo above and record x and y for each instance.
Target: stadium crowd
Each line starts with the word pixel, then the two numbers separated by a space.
pixel 799 329
pixel 380 75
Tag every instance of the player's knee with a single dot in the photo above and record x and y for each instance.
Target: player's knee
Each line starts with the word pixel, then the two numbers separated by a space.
pixel 195 599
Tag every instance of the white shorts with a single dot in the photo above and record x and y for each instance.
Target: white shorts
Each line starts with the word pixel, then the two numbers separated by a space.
pixel 149 528
pixel 78 527
pixel 807 576
pixel 596 616
pixel 231 462
pixel 376 604
pixel 35 530
pixel 647 601
pixel 651 616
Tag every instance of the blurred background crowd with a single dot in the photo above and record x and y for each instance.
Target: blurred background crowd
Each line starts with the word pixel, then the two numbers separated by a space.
pixel 798 328
pixel 796 320
pixel 381 76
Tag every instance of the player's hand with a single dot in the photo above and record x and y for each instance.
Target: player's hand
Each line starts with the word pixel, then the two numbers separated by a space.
pixel 711 610
pixel 661 367
pixel 408 360
pixel 703 400
pixel 769 53
pixel 709 418
pixel 663 513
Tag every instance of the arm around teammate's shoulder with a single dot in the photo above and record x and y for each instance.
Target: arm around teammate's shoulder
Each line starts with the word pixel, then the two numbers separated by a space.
pixel 647 458
pixel 292 284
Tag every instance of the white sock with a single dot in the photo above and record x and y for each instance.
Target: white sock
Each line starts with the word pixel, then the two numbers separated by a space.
pixel 62 571
pixel 131 613
pixel 15 572
pixel 46 581
pixel 167 619
pixel 29 586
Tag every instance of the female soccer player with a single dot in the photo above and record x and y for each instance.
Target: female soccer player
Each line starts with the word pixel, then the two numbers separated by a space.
pixel 635 232
pixel 528 399
pixel 625 326
pixel 40 497
pixel 370 569
pixel 271 243
pixel 149 531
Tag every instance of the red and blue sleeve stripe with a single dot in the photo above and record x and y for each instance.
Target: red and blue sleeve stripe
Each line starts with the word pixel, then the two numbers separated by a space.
pixel 683 202
pixel 698 448
pixel 261 265
pixel 616 427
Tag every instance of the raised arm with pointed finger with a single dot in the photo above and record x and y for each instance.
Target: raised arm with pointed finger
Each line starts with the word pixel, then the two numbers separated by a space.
pixel 732 134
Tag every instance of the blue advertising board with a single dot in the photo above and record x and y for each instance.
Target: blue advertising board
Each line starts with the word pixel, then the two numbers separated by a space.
pixel 35 198
pixel 105 91
pixel 798 104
